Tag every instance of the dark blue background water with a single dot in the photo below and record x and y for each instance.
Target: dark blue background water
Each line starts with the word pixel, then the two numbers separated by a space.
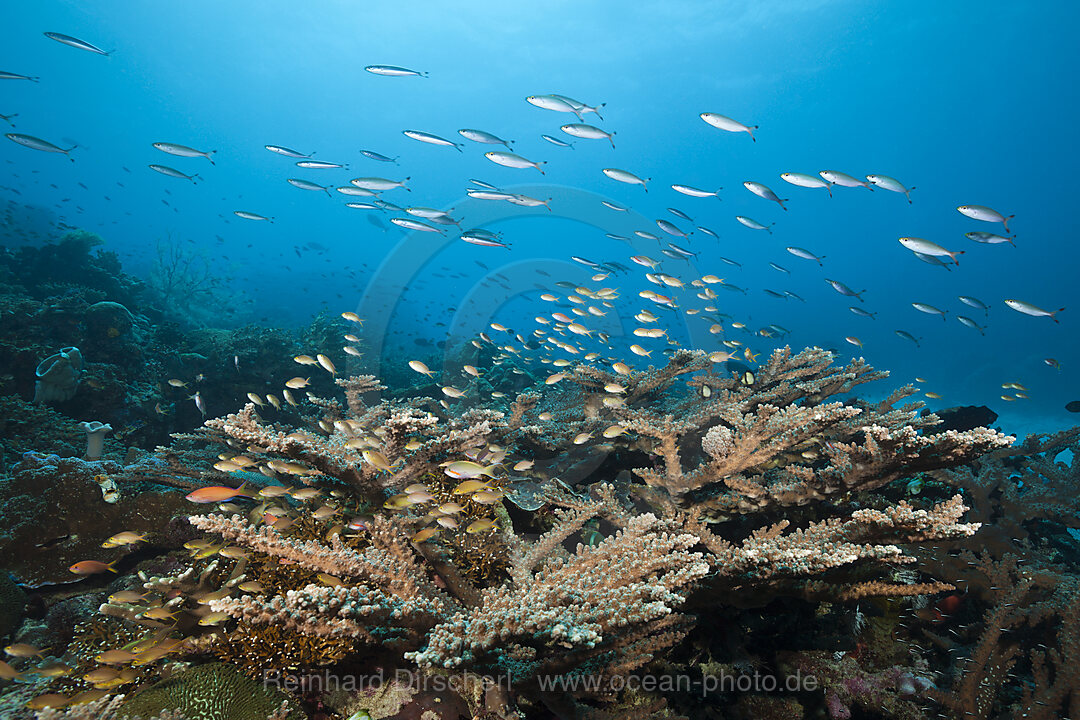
pixel 970 102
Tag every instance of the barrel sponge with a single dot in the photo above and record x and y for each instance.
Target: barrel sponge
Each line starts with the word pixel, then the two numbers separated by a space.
pixel 214 691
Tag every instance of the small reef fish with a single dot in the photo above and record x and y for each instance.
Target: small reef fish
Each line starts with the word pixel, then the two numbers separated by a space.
pixel 183 151
pixel 512 160
pixel 723 122
pixel 393 71
pixel 981 212
pixel 1033 310
pixel 625 176
pixel 891 184
pixel 217 494
pixel 74 42
pixel 35 143
pixel 172 172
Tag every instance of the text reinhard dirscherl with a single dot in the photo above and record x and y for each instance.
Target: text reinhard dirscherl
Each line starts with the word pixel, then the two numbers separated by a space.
pixel 417 682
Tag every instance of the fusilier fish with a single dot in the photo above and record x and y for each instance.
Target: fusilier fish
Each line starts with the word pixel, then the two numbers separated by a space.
pixel 971 324
pixel 372 155
pixel 393 71
pixel 557 142
pixel 891 184
pixel 988 238
pixel 1033 310
pixel 414 225
pixel 670 228
pixel 430 139
pixel 919 245
pixel 763 191
pixel 378 184
pixel 624 176
pixel 251 216
pixel 588 132
pixel 844 289
pixel 287 152
pixel 929 309
pixel 74 42
pixel 183 151
pixel 696 192
pixel 806 181
pixel 320 165
pixel 38 144
pixel 805 254
pixel 172 172
pixel 723 122
pixel 843 179
pixel 974 302
pixel 512 160
pixel 16 76
pixel 308 185
pixel 483 137
pixel 981 212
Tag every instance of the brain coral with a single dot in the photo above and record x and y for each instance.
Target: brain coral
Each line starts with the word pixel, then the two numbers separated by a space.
pixel 214 691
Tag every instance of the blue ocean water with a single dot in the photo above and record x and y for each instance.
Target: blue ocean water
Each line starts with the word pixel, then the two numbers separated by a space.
pixel 967 102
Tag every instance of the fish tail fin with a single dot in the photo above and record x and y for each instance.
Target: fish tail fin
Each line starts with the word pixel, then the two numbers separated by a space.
pixel 597 110
pixel 210 158
pixel 1053 315
pixel 193 177
pixel 34 78
pixel 110 567
pixel 1005 222
pixel 954 254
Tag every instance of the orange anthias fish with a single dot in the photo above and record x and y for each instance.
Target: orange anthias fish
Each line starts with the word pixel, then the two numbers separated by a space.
pixel 92 567
pixel 217 494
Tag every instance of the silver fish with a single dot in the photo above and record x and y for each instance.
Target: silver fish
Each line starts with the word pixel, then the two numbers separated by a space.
pixel 414 225
pixel 680 214
pixel 74 42
pixel 362 206
pixel 251 216
pixel 988 238
pixel 907 336
pixel 843 179
pixel 481 183
pixel 393 71
pixel 927 247
pixel 708 232
pixel 696 192
pixel 928 309
pixel 511 160
pixel 614 206
pixel 856 310
pixel 16 76
pixel 378 184
pixel 482 194
pixel 588 132
pixel 670 228
pixel 371 154
pixel 308 185
pixel 805 254
pixel 624 176
pixel 981 212
pixel 971 323
pixel 355 191
pixel 781 268
pixel 1033 310
pixel 287 152
pixel 762 191
pixel 183 151
pixel 974 302
pixel 931 260
pixel 430 139
pixel 806 181
pixel 483 137
pixel 38 144
pixel 892 184
pixel 557 141
pixel 844 289
pixel 723 122
pixel 754 224
pixel 319 165
pixel 172 172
